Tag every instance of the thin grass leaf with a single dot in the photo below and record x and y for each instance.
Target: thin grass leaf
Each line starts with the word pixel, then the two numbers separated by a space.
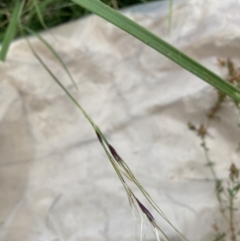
pixel 160 45
pixel 54 52
pixel 11 31
pixel 39 14
pixel 41 6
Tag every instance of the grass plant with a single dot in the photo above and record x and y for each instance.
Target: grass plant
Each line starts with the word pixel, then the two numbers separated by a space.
pixel 31 15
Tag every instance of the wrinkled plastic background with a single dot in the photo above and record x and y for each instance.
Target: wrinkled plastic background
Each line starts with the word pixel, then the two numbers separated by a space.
pixel 56 182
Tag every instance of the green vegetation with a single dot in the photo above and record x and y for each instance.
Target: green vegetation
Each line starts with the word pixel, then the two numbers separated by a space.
pixel 30 16
pixel 54 12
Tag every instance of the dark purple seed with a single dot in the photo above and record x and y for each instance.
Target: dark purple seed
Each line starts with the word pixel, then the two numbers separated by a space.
pixel 114 153
pixel 99 138
pixel 145 210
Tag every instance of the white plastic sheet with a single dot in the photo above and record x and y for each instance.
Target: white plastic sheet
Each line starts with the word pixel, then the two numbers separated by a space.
pixel 56 182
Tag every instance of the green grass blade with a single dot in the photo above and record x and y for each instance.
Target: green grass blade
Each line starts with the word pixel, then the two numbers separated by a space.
pixel 39 14
pixel 159 45
pixel 54 52
pixel 11 31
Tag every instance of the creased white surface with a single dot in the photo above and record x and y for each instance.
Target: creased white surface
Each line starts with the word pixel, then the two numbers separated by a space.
pixel 55 180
